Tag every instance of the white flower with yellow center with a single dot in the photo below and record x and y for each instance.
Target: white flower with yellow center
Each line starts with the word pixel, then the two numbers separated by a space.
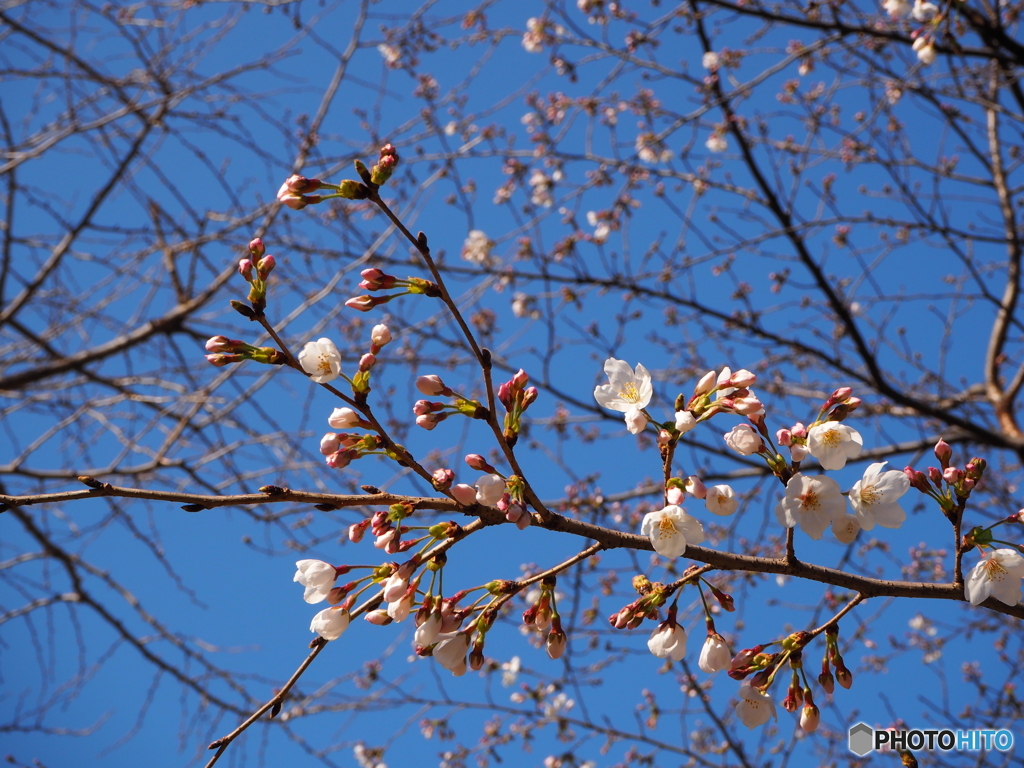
pixel 998 575
pixel 845 528
pixel 321 360
pixel 670 530
pixel 875 497
pixel 627 391
pixel 812 503
pixel 832 443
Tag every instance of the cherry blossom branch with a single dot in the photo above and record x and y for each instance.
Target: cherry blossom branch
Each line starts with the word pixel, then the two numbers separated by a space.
pixel 318 644
pixel 608 538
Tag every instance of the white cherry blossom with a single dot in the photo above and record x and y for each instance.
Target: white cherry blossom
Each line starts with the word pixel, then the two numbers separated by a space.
pixel 450 652
pixel 744 439
pixel 490 489
pixel 627 391
pixel 997 575
pixel 710 60
pixel 832 443
pixel 874 497
pixel 685 421
pixel 670 530
pixel 317 577
pixel 321 360
pixel 668 641
pixel 721 500
pixel 923 11
pixel 897 9
pixel 715 654
pixel 812 503
pixel 845 528
pixel 754 708
pixel 330 623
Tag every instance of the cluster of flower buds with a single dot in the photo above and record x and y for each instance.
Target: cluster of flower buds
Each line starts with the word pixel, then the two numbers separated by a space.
pixel 542 609
pixel 950 486
pixel 387 528
pixel 835 659
pixel 224 351
pixel 431 413
pixel 731 392
pixel 256 271
pixel 795 439
pixel 295 192
pixel 652 597
pixel 341 449
pixel 516 397
pixel 513 504
pixel 838 406
pixel 375 279
pixel 379 337
pixel 386 164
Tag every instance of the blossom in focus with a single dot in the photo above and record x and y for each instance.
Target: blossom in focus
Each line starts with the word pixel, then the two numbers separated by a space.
pixel 744 439
pixel 832 443
pixel 997 575
pixel 321 360
pixel 380 335
pixel 715 654
pixel 875 497
pixel 330 623
pixel 427 632
pixel 721 500
pixel 451 652
pixel 685 421
pixel 754 708
pixel 668 641
pixel 490 489
pixel 812 503
pixel 344 418
pixel 627 391
pixel 670 530
pixel 317 577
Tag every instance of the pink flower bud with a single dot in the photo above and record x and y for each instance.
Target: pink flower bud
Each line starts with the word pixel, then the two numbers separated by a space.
pixel 344 418
pixel 367 361
pixel 943 453
pixel 301 185
pixel 265 267
pixel 799 431
pixel 464 494
pixel 826 681
pixel 555 645
pixel 429 420
pixel 362 303
pixel 935 475
pixel 329 443
pixel 748 406
pixel 810 718
pixel 478 462
pixel 341 459
pixel 917 479
pixel 375 279
pixel 423 407
pixel 431 385
pixel 706 384
pixel 380 335
pixel 742 379
pixel 520 380
pixel 952 475
pixel 379 617
pixel 784 437
pixel 443 478
pixel 245 268
pixel 674 496
pixel 256 248
pixel 356 531
pixel 221 360
pixel 221 344
pixel 530 395
pixel 695 487
pixel 841 395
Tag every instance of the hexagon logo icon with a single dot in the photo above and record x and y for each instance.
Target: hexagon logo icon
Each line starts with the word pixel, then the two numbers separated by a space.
pixel 862 738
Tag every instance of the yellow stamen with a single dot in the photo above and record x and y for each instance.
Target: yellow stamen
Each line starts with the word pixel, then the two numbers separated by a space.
pixel 630 393
pixel 831 438
pixel 666 527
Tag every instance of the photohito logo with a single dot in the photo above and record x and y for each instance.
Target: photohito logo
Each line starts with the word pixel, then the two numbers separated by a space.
pixel 864 739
